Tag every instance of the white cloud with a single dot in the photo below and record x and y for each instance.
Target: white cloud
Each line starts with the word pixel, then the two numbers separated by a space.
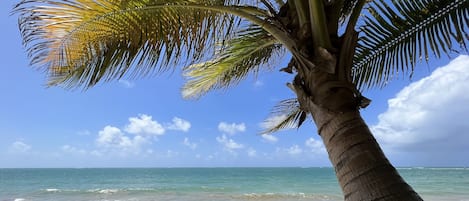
pixel 269 138
pixel 171 154
pixel 258 83
pixel 294 150
pixel 210 157
pixel 144 124
pixel 132 139
pixel 189 144
pixel 19 147
pixel 273 121
pixel 96 153
pixel 113 138
pixel 316 146
pixel 109 135
pixel 229 144
pixel 252 152
pixel 232 128
pixel 73 150
pixel 127 84
pixel 84 132
pixel 431 114
pixel 179 124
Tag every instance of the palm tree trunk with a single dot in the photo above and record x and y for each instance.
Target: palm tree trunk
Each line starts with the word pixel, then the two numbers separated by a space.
pixel 362 169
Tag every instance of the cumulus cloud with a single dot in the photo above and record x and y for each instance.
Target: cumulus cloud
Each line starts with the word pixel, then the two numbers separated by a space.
pixel 316 146
pixel 430 114
pixel 171 154
pixel 144 125
pixel 84 132
pixel 229 144
pixel 73 150
pixel 127 84
pixel 294 150
pixel 269 138
pixel 113 138
pixel 19 147
pixel 179 124
pixel 232 128
pixel 131 139
pixel 252 152
pixel 189 144
pixel 109 135
pixel 258 83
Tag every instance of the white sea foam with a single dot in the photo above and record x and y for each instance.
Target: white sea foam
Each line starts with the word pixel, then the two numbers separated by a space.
pixel 277 195
pixel 432 168
pixel 105 191
pixel 141 189
pixel 108 191
pixel 52 190
pixel 449 168
pixel 19 199
pixel 404 168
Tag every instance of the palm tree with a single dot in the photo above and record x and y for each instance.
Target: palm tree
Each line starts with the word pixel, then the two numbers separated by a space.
pixel 337 47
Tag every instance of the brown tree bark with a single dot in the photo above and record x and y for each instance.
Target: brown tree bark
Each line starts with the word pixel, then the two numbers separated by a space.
pixel 362 169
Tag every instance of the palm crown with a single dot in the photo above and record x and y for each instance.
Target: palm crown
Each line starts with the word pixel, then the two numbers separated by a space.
pixel 80 43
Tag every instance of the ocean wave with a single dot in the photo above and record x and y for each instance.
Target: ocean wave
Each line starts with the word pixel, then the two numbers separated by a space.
pixel 52 190
pixel 287 196
pixel 404 168
pixel 449 168
pixel 142 189
pixel 432 168
pixel 105 191
pixel 98 190
pixel 20 199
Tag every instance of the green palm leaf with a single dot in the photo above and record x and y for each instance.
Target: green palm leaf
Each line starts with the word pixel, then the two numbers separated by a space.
pixel 347 9
pixel 245 53
pixel 83 42
pixel 285 115
pixel 396 36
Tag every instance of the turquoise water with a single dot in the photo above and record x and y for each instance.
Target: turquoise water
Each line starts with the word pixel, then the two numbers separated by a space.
pixel 209 184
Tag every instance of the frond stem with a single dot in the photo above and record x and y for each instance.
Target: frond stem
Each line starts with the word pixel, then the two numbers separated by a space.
pixel 302 11
pixel 319 24
pixel 352 22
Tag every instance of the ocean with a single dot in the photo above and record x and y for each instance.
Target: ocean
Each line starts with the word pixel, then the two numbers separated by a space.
pixel 209 184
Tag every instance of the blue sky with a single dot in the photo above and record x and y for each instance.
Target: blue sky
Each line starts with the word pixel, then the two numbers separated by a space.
pixel 145 123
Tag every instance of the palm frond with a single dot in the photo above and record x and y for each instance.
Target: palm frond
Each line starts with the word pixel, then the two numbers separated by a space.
pixel 82 42
pixel 346 10
pixel 244 54
pixel 396 36
pixel 286 114
pixel 280 3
